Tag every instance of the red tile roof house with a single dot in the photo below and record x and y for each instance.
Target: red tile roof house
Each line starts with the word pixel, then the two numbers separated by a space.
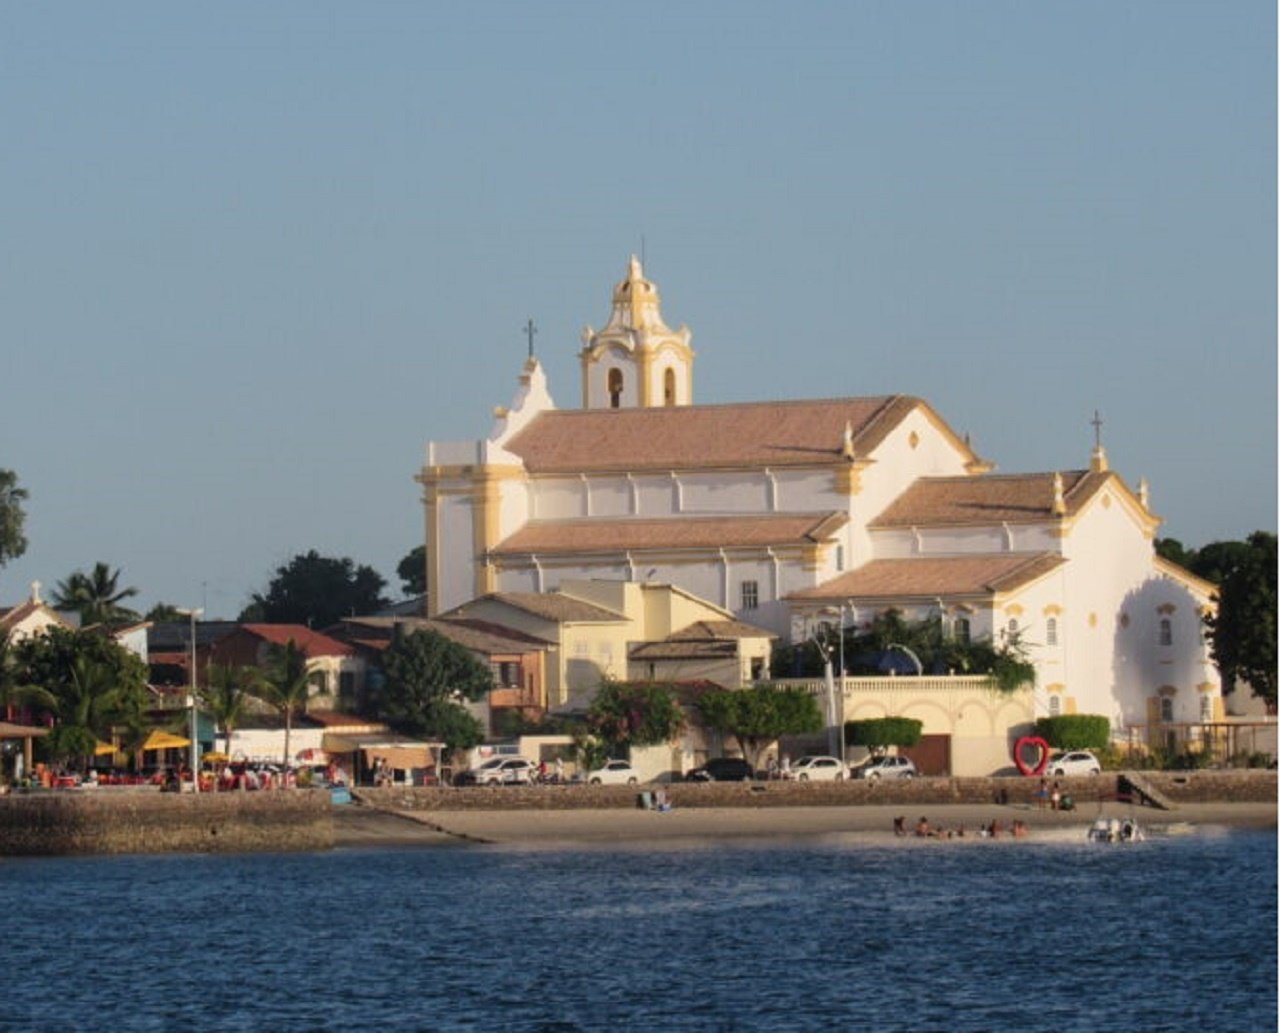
pixel 337 672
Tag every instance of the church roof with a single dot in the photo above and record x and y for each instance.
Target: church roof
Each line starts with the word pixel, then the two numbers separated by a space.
pixel 751 434
pixel 980 574
pixel 552 606
pixel 989 499
pixel 618 535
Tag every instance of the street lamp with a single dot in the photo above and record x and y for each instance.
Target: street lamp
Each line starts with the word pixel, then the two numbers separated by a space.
pixel 835 735
pixel 191 702
pixel 911 653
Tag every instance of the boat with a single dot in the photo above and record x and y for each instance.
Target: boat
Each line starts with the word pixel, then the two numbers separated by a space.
pixel 1116 830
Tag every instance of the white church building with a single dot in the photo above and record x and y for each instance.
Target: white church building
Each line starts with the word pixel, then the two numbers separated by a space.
pixel 787 512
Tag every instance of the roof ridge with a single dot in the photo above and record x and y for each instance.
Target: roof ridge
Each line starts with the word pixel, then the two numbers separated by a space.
pixel 782 402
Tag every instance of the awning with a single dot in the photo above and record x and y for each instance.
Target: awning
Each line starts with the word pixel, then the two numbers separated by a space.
pixel 9 730
pixel 102 749
pixel 159 740
pixel 399 751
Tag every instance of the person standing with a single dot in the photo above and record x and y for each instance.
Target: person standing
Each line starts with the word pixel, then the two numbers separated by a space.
pixel 1055 797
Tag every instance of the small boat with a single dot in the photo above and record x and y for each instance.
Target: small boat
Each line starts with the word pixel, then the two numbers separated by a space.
pixel 1116 830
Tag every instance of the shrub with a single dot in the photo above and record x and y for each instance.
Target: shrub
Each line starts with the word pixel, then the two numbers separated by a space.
pixel 880 733
pixel 1075 731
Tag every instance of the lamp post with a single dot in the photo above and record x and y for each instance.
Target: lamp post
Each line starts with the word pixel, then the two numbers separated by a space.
pixel 835 735
pixel 192 726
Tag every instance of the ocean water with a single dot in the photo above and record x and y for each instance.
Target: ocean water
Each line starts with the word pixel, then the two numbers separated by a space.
pixel 1171 934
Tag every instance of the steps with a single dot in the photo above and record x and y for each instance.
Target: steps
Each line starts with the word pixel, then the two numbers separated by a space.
pixel 1146 793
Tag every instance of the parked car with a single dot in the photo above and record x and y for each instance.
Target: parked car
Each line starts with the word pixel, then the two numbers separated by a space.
pixel 498 771
pixel 614 772
pixel 722 769
pixel 818 769
pixel 886 767
pixel 1073 762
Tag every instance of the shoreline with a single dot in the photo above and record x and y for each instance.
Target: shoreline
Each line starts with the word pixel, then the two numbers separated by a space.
pixel 363 826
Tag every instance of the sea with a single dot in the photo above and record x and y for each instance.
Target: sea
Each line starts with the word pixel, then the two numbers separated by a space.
pixel 1176 933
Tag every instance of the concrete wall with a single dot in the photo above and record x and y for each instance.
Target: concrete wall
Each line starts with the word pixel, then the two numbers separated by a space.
pixel 105 821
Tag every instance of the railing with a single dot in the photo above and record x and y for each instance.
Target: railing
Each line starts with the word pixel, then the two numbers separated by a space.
pixel 927 683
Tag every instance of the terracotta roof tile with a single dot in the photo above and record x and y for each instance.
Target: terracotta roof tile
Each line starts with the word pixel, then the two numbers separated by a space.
pixel 312 643
pixel 718 631
pixel 708 650
pixel 990 499
pixel 749 434
pixel 616 535
pixel 552 606
pixel 980 574
pixel 478 636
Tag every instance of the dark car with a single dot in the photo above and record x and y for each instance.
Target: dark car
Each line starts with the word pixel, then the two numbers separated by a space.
pixel 722 769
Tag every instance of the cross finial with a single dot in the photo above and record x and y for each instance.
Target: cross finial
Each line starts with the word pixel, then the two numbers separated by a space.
pixel 1097 429
pixel 530 330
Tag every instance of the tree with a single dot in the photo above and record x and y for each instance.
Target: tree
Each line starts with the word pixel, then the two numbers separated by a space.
pixel 1075 731
pixel 13 691
pixel 635 713
pixel 227 693
pixel 286 684
pixel 94 681
pixel 1243 632
pixel 758 716
pixel 878 734
pixel 412 571
pixel 95 596
pixel 427 675
pixel 317 591
pixel 13 542
pixel 165 613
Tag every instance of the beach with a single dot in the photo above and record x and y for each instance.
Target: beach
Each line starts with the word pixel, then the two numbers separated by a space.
pixel 358 826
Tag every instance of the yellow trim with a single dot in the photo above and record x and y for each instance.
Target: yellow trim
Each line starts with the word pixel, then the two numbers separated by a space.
pixel 1013 610
pixel 1056 689
pixel 1189 579
pixel 1167 690
pixel 848 478
pixel 1166 608
pixel 1052 610
pixel 1093 620
pixel 1069 705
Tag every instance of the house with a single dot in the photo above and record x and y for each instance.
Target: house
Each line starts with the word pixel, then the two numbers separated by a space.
pixel 30 617
pixel 334 669
pixel 782 513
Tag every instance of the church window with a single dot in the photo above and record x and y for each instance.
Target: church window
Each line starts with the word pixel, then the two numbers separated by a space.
pixel 669 387
pixel 1166 631
pixel 839 557
pixel 1166 708
pixel 1051 631
pixel 962 632
pixel 1055 705
pixel 615 388
pixel 1206 709
pixel 750 595
pixel 1011 630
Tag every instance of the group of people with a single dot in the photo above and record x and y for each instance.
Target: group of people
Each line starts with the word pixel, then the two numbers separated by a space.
pixel 1053 797
pixel 776 769
pixel 924 830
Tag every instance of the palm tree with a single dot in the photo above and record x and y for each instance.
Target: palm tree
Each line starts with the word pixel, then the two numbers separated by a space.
pixel 227 693
pixel 95 596
pixel 14 692
pixel 286 684
pixel 88 701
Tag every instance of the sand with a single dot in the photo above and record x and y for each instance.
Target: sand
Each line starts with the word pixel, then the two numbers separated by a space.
pixel 359 826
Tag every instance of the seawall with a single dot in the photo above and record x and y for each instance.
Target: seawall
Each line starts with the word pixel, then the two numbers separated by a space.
pixel 107 822
pixel 1184 787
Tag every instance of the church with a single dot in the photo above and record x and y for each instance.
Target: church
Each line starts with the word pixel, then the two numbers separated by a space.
pixel 790 513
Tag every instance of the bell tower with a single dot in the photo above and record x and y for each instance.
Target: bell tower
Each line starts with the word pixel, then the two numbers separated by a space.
pixel 636 361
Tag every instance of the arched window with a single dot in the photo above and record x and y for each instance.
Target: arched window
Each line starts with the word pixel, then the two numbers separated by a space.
pixel 1011 630
pixel 615 388
pixel 1206 709
pixel 1055 705
pixel 962 629
pixel 1051 631
pixel 669 387
pixel 1166 631
pixel 1166 708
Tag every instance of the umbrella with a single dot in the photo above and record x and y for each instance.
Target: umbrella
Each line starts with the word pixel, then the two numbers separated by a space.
pixel 103 749
pixel 159 740
pixel 214 757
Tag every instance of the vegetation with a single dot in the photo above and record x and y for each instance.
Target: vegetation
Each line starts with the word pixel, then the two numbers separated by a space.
pixel 412 571
pixel 165 613
pixel 92 684
pixel 227 694
pixel 286 685
pixel 878 734
pixel 427 675
pixel 1243 632
pixel 758 716
pixel 1075 731
pixel 13 542
pixel 317 591
pixel 95 596
pixel 635 713
pixel 878 647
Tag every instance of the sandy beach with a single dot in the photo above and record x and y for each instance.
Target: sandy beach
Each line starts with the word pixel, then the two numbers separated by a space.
pixel 357 826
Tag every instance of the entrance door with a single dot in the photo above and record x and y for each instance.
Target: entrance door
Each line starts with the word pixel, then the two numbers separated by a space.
pixel 932 754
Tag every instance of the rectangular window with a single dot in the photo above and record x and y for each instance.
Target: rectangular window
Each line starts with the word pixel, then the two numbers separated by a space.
pixel 750 595
pixel 1051 631
pixel 1206 709
pixel 1166 709
pixel 1166 631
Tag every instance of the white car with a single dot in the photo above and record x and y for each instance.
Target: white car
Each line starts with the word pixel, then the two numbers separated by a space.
pixel 614 773
pixel 1073 762
pixel 818 769
pixel 498 771
pixel 887 767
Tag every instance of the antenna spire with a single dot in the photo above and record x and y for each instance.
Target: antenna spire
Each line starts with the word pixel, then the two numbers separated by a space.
pixel 530 330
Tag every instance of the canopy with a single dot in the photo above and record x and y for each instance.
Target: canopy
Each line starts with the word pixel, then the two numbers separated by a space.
pixel 214 757
pixel 399 751
pixel 12 731
pixel 160 740
pixel 103 749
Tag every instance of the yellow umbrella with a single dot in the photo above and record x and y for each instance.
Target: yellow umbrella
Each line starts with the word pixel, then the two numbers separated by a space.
pixel 214 758
pixel 102 749
pixel 159 740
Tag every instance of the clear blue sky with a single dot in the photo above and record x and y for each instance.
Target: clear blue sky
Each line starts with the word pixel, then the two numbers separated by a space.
pixel 254 255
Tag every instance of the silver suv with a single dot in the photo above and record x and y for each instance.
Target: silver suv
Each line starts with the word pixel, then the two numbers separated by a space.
pixel 887 767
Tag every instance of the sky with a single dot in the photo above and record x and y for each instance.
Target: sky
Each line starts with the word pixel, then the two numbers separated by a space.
pixel 253 256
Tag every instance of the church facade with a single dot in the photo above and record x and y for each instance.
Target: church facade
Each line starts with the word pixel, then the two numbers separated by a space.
pixel 789 513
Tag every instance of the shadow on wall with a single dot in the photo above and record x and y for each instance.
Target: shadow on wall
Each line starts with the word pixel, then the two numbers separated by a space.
pixel 1159 644
pixel 582 678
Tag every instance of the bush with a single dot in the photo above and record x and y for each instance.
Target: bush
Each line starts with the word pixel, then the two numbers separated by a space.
pixel 880 733
pixel 1075 731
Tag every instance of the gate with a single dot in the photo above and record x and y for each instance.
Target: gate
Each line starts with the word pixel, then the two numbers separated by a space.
pixel 931 755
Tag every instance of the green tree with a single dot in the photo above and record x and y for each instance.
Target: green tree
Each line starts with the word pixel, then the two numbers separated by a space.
pixel 14 692
pixel 286 684
pixel 635 713
pixel 13 542
pixel 412 571
pixel 227 694
pixel 758 716
pixel 96 596
pixel 1243 632
pixel 1075 731
pixel 878 734
pixel 94 681
pixel 427 675
pixel 165 613
pixel 317 591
